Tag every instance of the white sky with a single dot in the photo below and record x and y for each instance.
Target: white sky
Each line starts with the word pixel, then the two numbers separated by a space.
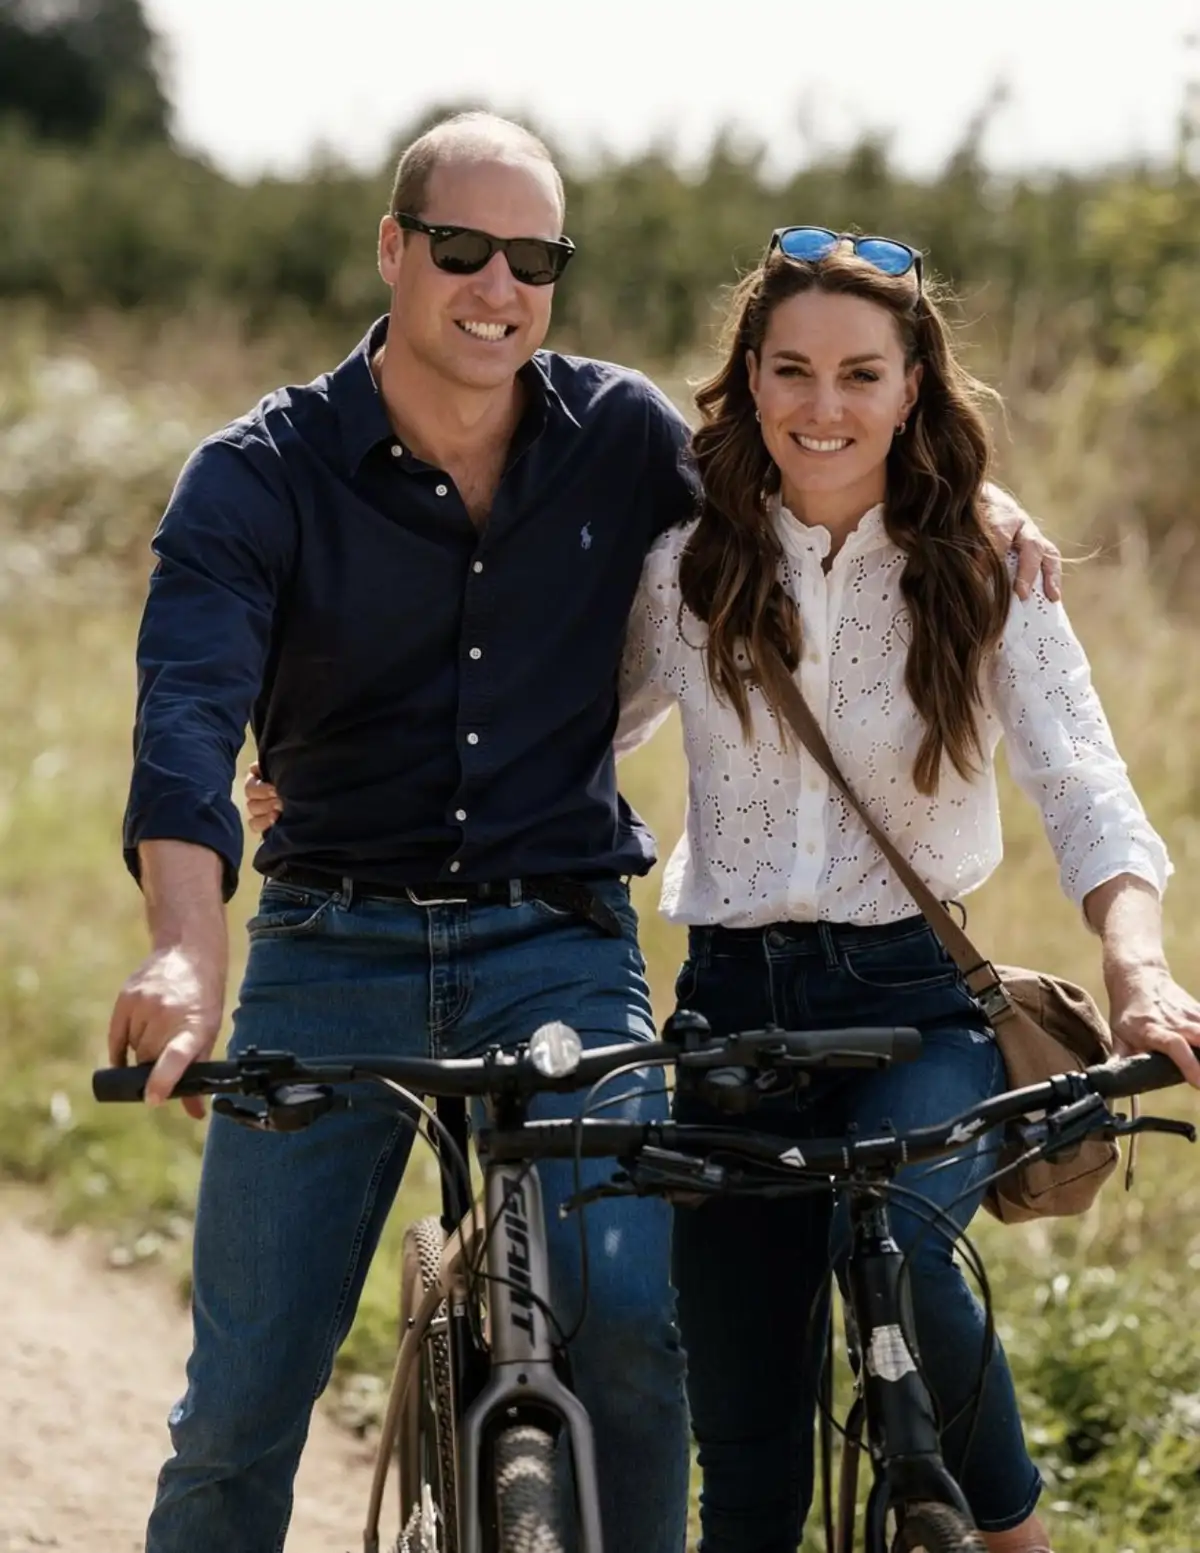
pixel 259 83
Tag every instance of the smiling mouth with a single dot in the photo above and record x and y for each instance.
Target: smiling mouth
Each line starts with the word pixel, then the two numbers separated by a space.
pixel 821 444
pixel 492 333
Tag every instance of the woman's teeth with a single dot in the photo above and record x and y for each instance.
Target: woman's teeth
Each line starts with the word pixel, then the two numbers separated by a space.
pixel 823 444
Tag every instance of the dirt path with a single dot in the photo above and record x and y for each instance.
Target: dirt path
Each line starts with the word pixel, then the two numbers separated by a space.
pixel 90 1361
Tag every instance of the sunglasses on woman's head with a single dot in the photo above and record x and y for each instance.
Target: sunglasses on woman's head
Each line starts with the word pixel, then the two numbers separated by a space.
pixel 461 250
pixel 810 244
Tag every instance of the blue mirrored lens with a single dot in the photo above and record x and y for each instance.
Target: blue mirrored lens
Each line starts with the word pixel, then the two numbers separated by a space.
pixel 891 258
pixel 807 243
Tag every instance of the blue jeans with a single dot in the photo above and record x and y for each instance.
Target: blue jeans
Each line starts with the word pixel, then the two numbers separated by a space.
pixel 286 1225
pixel 749 1271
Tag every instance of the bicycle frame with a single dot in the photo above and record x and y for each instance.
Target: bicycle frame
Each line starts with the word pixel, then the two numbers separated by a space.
pixel 900 1418
pixel 520 1375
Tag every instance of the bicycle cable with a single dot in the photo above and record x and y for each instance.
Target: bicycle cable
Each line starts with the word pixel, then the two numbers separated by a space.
pixel 589 1108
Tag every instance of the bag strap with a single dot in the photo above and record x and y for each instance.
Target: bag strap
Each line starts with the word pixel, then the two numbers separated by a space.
pixel 976 969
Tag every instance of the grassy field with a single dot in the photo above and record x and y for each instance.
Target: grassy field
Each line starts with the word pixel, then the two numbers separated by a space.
pixel 1099 1314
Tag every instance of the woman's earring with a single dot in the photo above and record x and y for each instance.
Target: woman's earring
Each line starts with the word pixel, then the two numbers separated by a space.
pixel 901 428
pixel 757 416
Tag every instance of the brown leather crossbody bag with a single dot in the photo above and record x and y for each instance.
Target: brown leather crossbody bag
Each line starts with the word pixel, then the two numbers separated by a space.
pixel 1043 1024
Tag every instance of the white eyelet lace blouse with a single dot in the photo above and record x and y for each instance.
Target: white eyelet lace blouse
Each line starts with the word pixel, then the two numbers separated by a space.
pixel 769 839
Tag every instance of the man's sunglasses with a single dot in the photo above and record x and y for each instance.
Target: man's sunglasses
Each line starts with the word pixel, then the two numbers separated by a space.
pixel 461 250
pixel 810 244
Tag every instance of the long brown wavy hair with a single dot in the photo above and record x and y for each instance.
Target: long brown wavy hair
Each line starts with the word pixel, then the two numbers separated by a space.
pixel 955 584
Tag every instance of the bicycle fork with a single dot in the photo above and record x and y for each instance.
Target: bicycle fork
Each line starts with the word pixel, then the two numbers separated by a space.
pixel 901 1419
pixel 522 1375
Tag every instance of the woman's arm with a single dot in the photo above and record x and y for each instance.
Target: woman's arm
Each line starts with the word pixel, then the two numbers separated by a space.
pixel 1149 1010
pixel 1111 860
pixel 646 693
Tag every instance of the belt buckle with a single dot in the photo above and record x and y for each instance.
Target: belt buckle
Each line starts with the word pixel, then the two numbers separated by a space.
pixel 435 900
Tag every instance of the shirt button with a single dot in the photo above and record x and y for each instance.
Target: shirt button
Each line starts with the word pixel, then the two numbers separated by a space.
pixel 397 450
pixel 472 738
pixel 476 652
pixel 460 814
pixel 442 490
pixel 811 848
pixel 454 867
pixel 478 566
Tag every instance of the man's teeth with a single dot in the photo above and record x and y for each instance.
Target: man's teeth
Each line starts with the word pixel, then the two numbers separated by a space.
pixel 823 444
pixel 483 331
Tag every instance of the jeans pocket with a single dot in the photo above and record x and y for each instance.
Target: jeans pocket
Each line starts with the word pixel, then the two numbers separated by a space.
pixel 285 911
pixel 686 982
pixel 915 962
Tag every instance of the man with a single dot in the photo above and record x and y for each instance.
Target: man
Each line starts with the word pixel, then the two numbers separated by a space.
pixel 412 576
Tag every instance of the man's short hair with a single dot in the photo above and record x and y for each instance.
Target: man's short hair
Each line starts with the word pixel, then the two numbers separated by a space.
pixel 474 136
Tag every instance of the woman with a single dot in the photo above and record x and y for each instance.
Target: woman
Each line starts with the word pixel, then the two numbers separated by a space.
pixel 842 538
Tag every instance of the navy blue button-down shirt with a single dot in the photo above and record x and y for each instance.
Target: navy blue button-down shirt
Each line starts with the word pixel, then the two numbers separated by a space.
pixel 423 693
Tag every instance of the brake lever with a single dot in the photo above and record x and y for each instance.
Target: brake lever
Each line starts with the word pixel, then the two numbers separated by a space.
pixel 286 1108
pixel 655 1171
pixel 1125 1127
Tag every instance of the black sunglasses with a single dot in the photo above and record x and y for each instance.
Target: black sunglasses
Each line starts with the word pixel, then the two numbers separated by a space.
pixel 810 244
pixel 461 250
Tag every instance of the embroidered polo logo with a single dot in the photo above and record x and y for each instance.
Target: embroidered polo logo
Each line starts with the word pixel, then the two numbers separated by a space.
pixel 585 537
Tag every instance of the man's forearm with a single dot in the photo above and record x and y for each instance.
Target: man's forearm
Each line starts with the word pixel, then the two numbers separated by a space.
pixel 181 883
pixel 1127 914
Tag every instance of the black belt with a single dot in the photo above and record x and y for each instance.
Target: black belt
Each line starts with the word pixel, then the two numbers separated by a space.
pixel 574 897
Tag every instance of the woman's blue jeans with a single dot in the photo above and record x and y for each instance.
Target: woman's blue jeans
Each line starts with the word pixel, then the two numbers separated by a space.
pixel 287 1225
pixel 749 1271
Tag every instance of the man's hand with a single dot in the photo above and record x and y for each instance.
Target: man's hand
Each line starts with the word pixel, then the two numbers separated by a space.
pixel 263 804
pixel 1012 527
pixel 169 1011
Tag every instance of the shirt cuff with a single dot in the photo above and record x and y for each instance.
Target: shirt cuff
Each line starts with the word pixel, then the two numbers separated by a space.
pixel 203 819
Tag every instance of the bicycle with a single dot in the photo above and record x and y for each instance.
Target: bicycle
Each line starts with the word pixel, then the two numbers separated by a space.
pixel 477 1432
pixel 479 1392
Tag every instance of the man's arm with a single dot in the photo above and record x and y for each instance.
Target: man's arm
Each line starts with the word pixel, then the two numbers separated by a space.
pixel 169 1011
pixel 1013 529
pixel 224 551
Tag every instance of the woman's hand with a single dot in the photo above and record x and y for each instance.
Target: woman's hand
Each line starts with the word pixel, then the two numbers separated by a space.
pixel 1150 1012
pixel 1147 1008
pixel 262 801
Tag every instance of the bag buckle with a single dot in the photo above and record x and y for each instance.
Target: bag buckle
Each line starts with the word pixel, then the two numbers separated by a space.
pixel 994 999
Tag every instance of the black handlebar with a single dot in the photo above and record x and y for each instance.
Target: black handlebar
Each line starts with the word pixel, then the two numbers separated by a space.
pixel 499 1072
pixel 1077 1095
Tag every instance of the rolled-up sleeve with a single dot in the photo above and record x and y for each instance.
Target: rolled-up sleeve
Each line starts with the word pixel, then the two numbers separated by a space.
pixel 224 550
pixel 1062 754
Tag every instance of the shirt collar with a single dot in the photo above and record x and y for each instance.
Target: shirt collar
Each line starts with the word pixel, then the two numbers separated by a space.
pixel 363 415
pixel 799 539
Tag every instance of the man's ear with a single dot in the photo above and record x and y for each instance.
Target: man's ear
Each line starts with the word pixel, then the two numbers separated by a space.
pixel 391 249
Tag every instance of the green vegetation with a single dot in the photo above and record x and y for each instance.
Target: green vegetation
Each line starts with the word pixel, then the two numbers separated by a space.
pixel 1098 1314
pixel 144 298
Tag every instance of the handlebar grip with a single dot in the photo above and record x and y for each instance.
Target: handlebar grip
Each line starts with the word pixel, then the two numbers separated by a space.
pixel 1126 1076
pixel 121 1083
pixel 850 1047
pixel 202 1078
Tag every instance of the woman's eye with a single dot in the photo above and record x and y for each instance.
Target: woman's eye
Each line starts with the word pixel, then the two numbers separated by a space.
pixel 790 372
pixel 864 375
